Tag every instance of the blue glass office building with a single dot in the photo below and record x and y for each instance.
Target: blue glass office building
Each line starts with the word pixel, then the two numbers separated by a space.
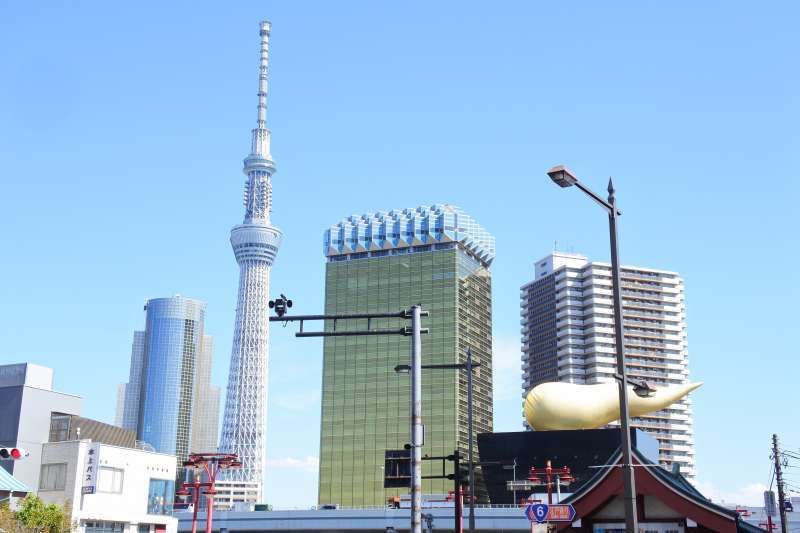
pixel 164 389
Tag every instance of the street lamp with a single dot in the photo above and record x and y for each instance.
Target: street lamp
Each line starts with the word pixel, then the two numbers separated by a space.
pixel 469 366
pixel 513 467
pixel 564 177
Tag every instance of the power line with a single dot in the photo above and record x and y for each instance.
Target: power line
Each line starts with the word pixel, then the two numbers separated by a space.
pixel 771 475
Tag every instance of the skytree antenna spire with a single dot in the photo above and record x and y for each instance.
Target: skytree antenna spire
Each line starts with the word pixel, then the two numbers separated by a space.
pixel 261 133
pixel 263 75
pixel 255 244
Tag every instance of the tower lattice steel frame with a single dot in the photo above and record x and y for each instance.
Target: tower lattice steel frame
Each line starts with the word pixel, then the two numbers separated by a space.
pixel 255 243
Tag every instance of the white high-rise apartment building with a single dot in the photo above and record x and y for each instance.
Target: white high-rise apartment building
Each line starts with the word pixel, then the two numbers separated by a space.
pixel 568 335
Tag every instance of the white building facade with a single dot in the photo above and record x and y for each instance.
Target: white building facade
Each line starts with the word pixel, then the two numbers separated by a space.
pixel 26 392
pixel 568 335
pixel 110 489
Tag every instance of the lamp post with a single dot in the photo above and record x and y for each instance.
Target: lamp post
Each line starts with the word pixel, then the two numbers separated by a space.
pixel 469 366
pixel 513 467
pixel 563 177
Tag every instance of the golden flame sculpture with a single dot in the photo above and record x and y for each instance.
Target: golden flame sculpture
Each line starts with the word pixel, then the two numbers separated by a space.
pixel 554 406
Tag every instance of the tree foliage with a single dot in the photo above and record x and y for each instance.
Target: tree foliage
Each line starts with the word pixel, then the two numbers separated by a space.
pixel 8 521
pixel 37 517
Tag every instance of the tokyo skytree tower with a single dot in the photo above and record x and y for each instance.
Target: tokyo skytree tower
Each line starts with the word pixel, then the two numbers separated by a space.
pixel 255 243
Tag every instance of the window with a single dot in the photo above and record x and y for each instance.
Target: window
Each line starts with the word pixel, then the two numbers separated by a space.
pixel 104 527
pixel 53 476
pixel 159 497
pixel 109 480
pixel 59 427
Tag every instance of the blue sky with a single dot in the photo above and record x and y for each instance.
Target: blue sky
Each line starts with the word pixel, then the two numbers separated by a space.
pixel 123 127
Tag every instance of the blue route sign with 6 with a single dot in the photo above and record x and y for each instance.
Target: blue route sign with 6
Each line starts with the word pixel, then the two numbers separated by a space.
pixel 537 512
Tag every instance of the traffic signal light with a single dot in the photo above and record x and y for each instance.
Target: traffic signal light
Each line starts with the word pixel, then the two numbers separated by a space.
pixel 463 474
pixel 12 453
pixel 397 468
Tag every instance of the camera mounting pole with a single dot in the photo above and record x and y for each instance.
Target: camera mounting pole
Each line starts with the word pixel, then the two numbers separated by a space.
pixel 414 314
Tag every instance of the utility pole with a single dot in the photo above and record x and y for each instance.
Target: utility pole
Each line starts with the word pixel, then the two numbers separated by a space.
pixel 469 367
pixel 776 454
pixel 414 314
pixel 459 528
pixel 456 457
pixel 416 419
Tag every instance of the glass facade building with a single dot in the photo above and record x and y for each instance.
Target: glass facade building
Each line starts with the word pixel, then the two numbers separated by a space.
pixel 205 413
pixel 133 389
pixel 439 258
pixel 173 341
pixel 169 400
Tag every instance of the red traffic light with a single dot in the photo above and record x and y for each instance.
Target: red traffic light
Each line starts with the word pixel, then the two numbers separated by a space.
pixel 12 453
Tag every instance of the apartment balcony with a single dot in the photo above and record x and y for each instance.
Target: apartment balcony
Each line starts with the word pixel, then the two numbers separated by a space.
pixel 644 276
pixel 570 360
pixel 628 304
pixel 636 373
pixel 598 291
pixel 637 330
pixel 635 324
pixel 604 348
pixel 560 343
pixel 570 322
pixel 634 343
pixel 570 372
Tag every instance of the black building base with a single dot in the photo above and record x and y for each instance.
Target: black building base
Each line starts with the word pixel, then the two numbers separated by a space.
pixel 580 450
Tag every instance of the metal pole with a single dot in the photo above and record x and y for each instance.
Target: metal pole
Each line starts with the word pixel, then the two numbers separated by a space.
pixel 558 488
pixel 458 527
pixel 515 482
pixel 776 452
pixel 416 420
pixel 196 503
pixel 549 471
pixel 471 464
pixel 629 482
pixel 210 493
pixel 210 510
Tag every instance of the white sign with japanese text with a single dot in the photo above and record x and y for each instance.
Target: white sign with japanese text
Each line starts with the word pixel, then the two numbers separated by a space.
pixel 90 469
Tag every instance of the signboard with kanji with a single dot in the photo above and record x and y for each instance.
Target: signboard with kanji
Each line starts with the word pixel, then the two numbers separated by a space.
pixel 90 469
pixel 561 513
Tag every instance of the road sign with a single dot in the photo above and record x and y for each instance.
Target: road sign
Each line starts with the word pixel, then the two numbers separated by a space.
pixel 537 512
pixel 561 513
pixel 769 503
